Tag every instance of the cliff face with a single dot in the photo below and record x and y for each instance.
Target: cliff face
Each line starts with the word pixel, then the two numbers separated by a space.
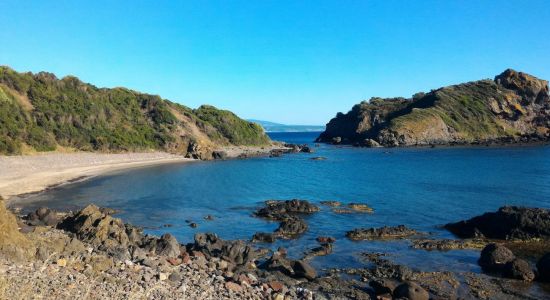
pixel 514 107
pixel 39 112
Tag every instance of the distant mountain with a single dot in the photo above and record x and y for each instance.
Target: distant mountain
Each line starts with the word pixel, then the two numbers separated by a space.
pixel 277 127
pixel 514 107
pixel 39 112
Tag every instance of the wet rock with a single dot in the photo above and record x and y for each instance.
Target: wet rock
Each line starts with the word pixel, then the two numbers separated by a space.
pixel 325 239
pixel 519 269
pixel 543 268
pixel 411 291
pixel 448 244
pixel 42 217
pixel 324 249
pixel 209 218
pixel 331 203
pixel 380 233
pixel 509 222
pixel 193 225
pixel 360 207
pixel 318 158
pixel 279 210
pixel 303 270
pixel 343 211
pixel 383 286
pixel 494 257
pixel 263 237
pixel 306 149
pixel 291 228
pixel 167 245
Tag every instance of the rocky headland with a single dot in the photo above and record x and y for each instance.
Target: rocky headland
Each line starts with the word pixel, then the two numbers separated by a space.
pixel 512 108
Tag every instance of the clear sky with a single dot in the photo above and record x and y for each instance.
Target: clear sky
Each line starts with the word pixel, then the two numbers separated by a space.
pixel 295 62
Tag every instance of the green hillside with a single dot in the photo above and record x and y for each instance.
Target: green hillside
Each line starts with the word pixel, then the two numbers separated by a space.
pixel 39 112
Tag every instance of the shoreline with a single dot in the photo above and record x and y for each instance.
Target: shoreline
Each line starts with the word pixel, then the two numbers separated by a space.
pixel 26 175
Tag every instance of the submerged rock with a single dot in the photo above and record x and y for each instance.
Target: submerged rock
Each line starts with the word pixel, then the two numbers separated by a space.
pixel 360 207
pixel 509 222
pixel 380 233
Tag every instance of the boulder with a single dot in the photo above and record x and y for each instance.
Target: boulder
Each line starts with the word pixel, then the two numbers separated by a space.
pixel 168 246
pixel 303 270
pixel 236 252
pixel 494 257
pixel 263 237
pixel 383 286
pixel 411 291
pixel 291 228
pixel 518 269
pixel 42 217
pixel 370 143
pixel 509 222
pixel 380 233
pixel 543 268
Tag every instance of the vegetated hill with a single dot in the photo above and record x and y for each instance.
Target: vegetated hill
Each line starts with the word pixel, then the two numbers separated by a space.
pixel 277 127
pixel 39 112
pixel 512 108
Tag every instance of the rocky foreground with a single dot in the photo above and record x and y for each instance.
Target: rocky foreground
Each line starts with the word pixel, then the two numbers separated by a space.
pixel 91 254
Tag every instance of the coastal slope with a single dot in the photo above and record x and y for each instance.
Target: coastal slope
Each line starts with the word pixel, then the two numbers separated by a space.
pixel 514 107
pixel 39 112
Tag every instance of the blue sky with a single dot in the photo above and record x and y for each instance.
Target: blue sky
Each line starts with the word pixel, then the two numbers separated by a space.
pixel 296 62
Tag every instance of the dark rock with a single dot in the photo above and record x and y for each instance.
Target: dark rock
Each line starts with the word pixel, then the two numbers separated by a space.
pixel 518 269
pixel 383 286
pixel 411 291
pixel 291 228
pixel 278 210
pixel 380 233
pixel 278 262
pixel 494 257
pixel 43 217
pixel 235 252
pixel 318 158
pixel 304 270
pixel 263 237
pixel 543 268
pixel 98 228
pixel 509 222
pixel 306 149
pixel 209 218
pixel 325 239
pixel 219 155
pixel 324 249
pixel 168 246
pixel 193 225
pixel 448 244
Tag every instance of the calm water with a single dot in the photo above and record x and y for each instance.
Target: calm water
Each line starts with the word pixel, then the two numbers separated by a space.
pixel 421 188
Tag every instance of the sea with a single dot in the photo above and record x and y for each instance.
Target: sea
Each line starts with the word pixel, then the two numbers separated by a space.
pixel 422 188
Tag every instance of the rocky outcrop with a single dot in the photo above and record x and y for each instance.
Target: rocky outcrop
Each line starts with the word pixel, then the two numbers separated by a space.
pixel 498 259
pixel 512 108
pixel 380 233
pixel 543 267
pixel 279 210
pixel 509 222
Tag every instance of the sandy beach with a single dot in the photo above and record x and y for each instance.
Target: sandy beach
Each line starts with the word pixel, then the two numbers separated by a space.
pixel 28 174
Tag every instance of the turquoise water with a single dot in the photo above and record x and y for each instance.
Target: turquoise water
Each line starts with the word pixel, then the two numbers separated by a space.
pixel 421 188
